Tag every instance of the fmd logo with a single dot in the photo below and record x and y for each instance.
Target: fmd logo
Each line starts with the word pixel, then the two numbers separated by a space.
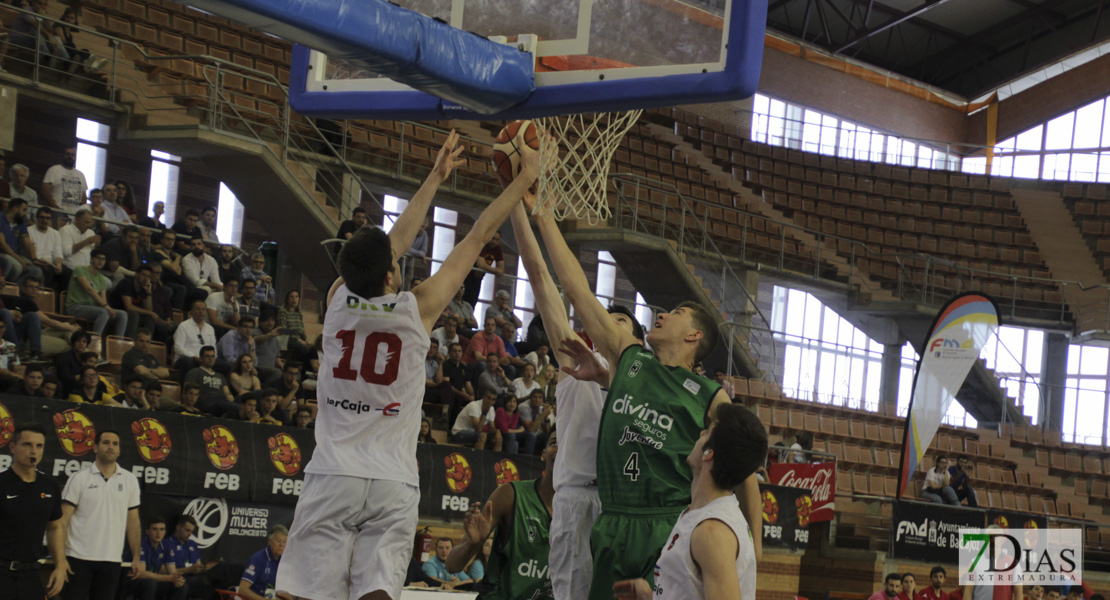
pixel 943 343
pixel 356 303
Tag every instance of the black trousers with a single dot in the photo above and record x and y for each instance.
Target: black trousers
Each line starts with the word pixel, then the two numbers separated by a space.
pixel 92 580
pixel 17 585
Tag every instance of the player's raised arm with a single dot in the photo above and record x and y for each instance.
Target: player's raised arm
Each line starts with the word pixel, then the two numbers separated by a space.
pixel 479 523
pixel 714 548
pixel 433 295
pixel 548 301
pixel 609 339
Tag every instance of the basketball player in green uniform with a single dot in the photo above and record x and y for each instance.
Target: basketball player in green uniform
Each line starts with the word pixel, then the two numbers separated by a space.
pixel 519 516
pixel 654 412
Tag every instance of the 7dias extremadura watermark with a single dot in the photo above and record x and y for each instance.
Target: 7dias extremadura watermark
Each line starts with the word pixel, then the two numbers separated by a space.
pixel 996 556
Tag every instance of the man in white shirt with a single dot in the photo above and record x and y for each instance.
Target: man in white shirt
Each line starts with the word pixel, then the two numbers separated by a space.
pixel 46 249
pixel 112 210
pixel 710 553
pixel 192 334
pixel 78 239
pixel 223 307
pixel 100 507
pixel 938 486
pixel 539 357
pixel 208 224
pixel 63 186
pixel 472 428
pixel 201 270
pixel 18 184
pixel 448 334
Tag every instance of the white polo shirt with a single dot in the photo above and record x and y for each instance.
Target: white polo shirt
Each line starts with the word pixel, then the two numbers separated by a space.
pixel 98 529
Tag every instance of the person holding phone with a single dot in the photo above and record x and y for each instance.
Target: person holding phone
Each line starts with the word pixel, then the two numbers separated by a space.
pixel 187 559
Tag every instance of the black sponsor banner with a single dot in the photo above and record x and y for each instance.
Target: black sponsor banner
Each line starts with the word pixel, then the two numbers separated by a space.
pixel 154 446
pixel 280 454
pixel 451 478
pixel 785 516
pixel 930 532
pixel 223 461
pixel 1008 519
pixel 74 426
pixel 13 411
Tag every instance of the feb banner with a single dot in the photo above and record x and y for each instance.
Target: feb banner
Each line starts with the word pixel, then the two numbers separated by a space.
pixel 818 478
pixel 930 532
pixel 452 478
pixel 1008 519
pixel 958 334
pixel 786 516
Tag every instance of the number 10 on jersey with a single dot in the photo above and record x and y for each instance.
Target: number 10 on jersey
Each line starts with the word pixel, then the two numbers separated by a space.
pixel 372 349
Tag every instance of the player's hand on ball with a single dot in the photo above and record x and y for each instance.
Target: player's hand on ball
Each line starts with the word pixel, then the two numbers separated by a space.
pixel 589 368
pixel 632 589
pixel 478 522
pixel 448 157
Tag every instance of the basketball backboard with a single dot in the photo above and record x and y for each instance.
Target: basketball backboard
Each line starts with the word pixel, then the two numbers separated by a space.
pixel 587 57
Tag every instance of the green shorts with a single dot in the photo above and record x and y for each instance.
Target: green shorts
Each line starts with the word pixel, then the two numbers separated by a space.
pixel 626 546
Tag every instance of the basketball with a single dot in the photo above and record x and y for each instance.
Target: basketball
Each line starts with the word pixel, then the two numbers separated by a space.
pixel 508 145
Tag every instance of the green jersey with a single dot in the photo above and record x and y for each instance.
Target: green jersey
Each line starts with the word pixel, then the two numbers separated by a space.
pixel 517 567
pixel 652 418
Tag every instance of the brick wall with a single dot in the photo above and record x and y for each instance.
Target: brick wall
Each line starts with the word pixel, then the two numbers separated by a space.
pixel 778 575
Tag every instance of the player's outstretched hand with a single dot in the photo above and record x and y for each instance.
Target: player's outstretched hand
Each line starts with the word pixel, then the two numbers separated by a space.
pixel 632 589
pixel 448 157
pixel 478 522
pixel 529 164
pixel 589 367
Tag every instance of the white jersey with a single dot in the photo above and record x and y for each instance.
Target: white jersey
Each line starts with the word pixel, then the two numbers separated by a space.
pixel 370 387
pixel 676 575
pixel 576 419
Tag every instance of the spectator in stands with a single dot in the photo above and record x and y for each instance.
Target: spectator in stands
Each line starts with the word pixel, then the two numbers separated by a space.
pixel 493 379
pixel 699 369
pixel 1051 593
pixel 464 311
pixel 237 342
pixel 49 389
pixel 483 344
pixel 123 253
pixel 242 379
pixel 11 372
pixel 357 221
pixel 201 270
pixel 268 359
pixel 162 295
pixel 155 222
pixel 186 555
pixel 173 275
pixel 508 338
pixel 419 247
pixel 1036 592
pixel 436 568
pixel 961 481
pixel 303 418
pixel 537 417
pixel 448 334
pixel 125 199
pixel 437 388
pixel 187 229
pixel 803 444
pixel 548 381
pixel 112 210
pixel 1076 592
pixel 28 321
pixel 215 395
pixel 425 435
pixel 247 411
pixel 249 306
pixel 936 580
pixel 260 576
pixel 725 383
pixel 223 307
pixel 160 578
pixel 230 266
pixel 133 395
pixel 489 256
pixel 255 271
pixel 289 318
pixel 30 384
pixel 191 335
pixel 502 311
pixel 522 386
pixel 938 486
pixel 18 185
pixel 13 237
pixel 190 395
pixel 63 186
pixel 152 390
pixel 462 391
pixel 513 435
pixel 90 389
pixel 96 206
pixel 45 250
pixel 68 365
pixel 207 225
pixel 288 386
pixel 909 587
pixel 268 412
pixel 146 249
pixel 79 239
pixel 541 358
pixel 88 297
pixel 891 588
pixel 474 425
pixel 135 295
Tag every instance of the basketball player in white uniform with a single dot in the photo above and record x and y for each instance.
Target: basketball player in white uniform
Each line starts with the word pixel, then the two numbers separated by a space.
pixel 576 504
pixel 710 553
pixel 352 530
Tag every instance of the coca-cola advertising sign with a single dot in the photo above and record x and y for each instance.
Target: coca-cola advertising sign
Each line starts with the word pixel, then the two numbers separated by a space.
pixel 819 478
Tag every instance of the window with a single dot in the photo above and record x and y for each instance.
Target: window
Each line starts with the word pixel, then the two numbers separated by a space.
pixel 1014 353
pixel 524 302
pixel 606 286
pixel 444 222
pixel 1085 394
pixel 165 171
pixel 643 313
pixel 393 207
pixel 92 151
pixel 229 217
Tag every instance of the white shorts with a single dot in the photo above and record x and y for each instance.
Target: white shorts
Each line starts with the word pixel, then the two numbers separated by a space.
pixel 573 512
pixel 350 536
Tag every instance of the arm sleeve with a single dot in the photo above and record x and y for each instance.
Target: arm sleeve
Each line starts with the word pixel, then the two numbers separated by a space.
pixel 56 510
pixel 72 491
pixel 191 271
pixel 429 569
pixel 215 276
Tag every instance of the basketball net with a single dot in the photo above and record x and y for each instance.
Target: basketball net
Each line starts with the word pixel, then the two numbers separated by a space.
pixel 575 151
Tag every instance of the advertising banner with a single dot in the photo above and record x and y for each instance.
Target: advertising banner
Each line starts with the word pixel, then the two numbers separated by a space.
pixel 786 516
pixel 451 478
pixel 818 478
pixel 930 532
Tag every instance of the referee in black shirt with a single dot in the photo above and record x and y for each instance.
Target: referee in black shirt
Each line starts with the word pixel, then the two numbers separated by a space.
pixel 30 503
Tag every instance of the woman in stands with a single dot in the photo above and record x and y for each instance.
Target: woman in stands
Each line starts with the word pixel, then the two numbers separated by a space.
pixel 72 58
pixel 289 317
pixel 125 197
pixel 68 367
pixel 242 379
pixel 547 381
pixel 425 436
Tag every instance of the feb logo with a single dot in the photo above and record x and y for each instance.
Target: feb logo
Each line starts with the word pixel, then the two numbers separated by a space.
pixel 1002 522
pixel 506 471
pixel 221 447
pixel 75 432
pixel 285 454
pixel 803 505
pixel 770 508
pixel 7 426
pixel 152 438
pixel 458 472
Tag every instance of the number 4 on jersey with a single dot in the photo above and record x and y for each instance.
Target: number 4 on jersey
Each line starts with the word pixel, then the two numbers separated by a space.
pixel 632 466
pixel 369 367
